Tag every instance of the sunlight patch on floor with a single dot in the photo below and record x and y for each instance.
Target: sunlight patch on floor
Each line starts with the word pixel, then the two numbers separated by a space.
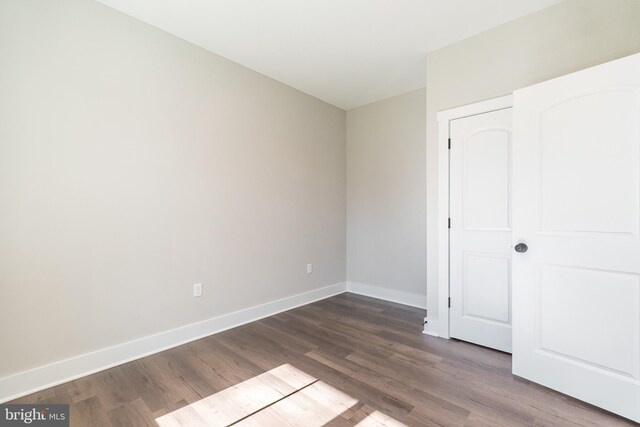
pixel 283 396
pixel 378 419
pixel 313 406
pixel 240 400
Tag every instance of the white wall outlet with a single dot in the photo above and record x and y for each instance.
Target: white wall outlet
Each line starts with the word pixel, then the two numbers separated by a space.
pixel 197 290
pixel 309 268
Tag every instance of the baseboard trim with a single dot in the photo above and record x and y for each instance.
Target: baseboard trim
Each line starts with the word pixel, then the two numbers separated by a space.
pixel 401 297
pixel 431 327
pixel 40 378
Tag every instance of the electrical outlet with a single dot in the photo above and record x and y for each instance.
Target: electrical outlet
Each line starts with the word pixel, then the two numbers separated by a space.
pixel 309 268
pixel 197 290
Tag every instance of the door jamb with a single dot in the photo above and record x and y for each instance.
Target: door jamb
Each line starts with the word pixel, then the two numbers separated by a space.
pixel 440 326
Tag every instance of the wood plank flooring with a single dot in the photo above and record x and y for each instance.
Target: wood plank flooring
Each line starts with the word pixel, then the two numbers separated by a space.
pixel 344 361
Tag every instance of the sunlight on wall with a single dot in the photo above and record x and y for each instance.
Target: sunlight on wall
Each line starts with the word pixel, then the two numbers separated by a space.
pixel 283 396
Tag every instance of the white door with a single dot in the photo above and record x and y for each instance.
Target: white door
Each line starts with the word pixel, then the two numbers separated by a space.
pixel 576 205
pixel 480 229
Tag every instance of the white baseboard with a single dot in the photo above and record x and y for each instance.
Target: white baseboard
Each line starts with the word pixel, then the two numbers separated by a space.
pixel 431 327
pixel 401 297
pixel 27 382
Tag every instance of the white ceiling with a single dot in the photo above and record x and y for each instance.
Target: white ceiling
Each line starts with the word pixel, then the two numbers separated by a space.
pixel 346 52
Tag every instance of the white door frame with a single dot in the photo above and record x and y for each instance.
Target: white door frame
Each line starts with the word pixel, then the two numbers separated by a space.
pixel 440 326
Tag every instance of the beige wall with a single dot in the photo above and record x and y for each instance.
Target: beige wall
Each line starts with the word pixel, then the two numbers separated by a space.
pixel 133 165
pixel 386 209
pixel 573 35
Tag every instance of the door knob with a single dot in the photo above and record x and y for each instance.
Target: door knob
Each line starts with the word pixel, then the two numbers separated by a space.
pixel 521 247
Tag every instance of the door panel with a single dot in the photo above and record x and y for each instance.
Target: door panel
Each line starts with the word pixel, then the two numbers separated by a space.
pixel 480 235
pixel 486 180
pixel 576 203
pixel 584 202
pixel 615 296
pixel 486 287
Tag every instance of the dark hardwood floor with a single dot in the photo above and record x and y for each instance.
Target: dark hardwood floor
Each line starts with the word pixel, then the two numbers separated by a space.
pixel 348 360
